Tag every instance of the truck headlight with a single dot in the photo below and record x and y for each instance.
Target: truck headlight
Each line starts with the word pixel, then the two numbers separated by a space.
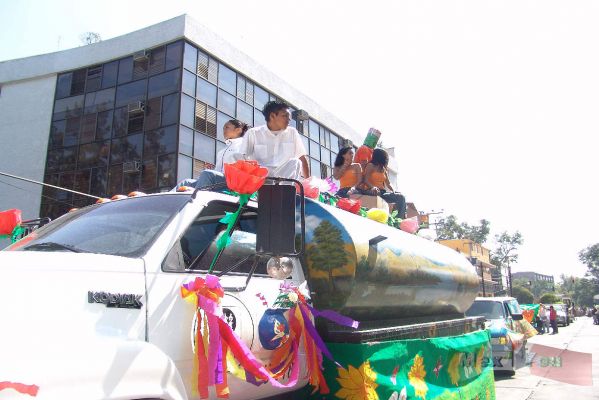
pixel 279 267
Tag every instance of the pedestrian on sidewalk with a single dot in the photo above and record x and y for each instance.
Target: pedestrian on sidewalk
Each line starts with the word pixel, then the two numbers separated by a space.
pixel 544 318
pixel 553 319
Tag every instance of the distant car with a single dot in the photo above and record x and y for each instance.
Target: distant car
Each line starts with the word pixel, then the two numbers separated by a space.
pixel 562 315
pixel 500 314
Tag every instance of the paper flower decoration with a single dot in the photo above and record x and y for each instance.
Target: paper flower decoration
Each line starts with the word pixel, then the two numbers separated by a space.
pixel 102 200
pixel 9 220
pixel 378 215
pixel 332 185
pixel 409 225
pixel 136 194
pixel 350 205
pixel 311 187
pixel 118 197
pixel 245 177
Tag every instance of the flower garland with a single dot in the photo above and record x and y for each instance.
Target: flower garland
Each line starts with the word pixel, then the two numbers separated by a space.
pixel 216 345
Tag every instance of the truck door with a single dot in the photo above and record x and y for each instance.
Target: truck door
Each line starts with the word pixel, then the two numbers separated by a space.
pixel 171 319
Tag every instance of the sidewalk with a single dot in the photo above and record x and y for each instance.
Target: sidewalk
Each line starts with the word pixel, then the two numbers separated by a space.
pixel 563 366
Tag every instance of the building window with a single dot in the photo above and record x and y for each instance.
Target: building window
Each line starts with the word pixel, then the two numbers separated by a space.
pixel 110 74
pixel 94 78
pixel 260 97
pixel 78 82
pixel 187 110
pixel 163 84
pixel 125 70
pixel 226 102
pixel 189 83
pixel 227 79
pixel 185 141
pixel 206 92
pixel 160 141
pixel 130 93
pixel 190 57
pixel 204 148
pixel 63 85
pixel 245 112
pixel 157 60
pixel 173 55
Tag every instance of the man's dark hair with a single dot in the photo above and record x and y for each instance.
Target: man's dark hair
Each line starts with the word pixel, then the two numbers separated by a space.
pixel 273 107
pixel 380 158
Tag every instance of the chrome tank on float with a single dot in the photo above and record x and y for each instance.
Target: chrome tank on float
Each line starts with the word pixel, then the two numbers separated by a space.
pixel 373 272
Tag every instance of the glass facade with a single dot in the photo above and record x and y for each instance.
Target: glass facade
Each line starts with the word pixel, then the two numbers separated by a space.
pixel 151 119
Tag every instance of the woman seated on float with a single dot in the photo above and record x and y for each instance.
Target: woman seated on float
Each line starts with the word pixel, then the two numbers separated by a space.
pixel 375 181
pixel 348 173
pixel 233 132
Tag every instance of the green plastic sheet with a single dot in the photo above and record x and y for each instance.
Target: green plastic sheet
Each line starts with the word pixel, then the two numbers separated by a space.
pixel 456 367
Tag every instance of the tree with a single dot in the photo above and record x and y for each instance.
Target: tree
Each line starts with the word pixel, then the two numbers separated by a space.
pixel 449 228
pixel 590 258
pixel 506 251
pixel 581 290
pixel 90 37
pixel 584 290
pixel 536 287
pixel 549 298
pixel 523 295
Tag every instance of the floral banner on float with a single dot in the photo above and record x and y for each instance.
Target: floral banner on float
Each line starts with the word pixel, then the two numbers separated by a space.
pixel 454 367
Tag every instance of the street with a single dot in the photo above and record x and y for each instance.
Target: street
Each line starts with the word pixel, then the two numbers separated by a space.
pixel 562 366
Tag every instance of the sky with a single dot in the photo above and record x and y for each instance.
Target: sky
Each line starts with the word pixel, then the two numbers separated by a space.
pixel 491 105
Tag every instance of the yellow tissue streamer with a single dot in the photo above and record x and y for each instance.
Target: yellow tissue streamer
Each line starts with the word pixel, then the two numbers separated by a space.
pixel 378 215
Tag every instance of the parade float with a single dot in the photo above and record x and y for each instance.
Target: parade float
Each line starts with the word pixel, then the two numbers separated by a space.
pixel 200 294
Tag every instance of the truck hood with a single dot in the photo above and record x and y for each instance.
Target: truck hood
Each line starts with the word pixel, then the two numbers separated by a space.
pixel 49 298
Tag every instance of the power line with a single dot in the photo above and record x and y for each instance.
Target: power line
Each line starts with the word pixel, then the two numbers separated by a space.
pixel 47 184
pixel 43 195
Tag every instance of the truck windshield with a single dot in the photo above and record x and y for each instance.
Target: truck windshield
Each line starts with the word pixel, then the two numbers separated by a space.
pixel 125 227
pixel 487 309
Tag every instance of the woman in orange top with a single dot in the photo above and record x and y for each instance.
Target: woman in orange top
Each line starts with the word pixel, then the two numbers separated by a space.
pixel 375 181
pixel 349 174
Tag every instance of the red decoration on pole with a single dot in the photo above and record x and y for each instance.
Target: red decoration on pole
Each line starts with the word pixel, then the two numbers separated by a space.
pixel 9 220
pixel 245 177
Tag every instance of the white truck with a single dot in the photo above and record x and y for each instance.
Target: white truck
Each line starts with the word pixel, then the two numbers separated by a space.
pixel 91 308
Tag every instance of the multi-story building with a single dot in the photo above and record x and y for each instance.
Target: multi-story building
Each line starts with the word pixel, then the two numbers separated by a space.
pixel 479 256
pixel 138 112
pixel 533 277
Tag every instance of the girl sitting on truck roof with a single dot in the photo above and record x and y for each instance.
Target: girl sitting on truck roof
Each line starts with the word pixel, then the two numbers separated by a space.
pixel 348 173
pixel 375 181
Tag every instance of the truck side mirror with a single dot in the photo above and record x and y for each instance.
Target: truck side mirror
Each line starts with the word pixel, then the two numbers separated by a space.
pixel 517 317
pixel 275 233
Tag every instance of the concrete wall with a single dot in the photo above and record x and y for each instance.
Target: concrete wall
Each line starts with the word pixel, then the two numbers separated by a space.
pixel 25 116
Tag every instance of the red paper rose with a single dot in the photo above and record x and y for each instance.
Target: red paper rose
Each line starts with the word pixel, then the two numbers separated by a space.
pixel 350 205
pixel 245 177
pixel 9 220
pixel 311 188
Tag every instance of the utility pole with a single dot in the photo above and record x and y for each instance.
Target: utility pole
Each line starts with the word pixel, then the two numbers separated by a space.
pixel 509 274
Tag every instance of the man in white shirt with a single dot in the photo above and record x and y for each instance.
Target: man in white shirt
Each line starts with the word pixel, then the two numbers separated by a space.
pixel 233 132
pixel 276 145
